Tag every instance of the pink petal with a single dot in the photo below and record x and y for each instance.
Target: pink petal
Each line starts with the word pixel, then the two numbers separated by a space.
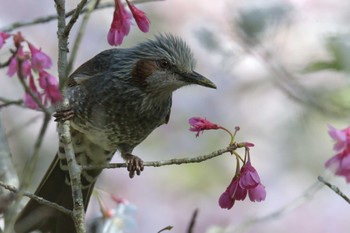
pixel 258 193
pixel 249 177
pixel 225 201
pixel 140 17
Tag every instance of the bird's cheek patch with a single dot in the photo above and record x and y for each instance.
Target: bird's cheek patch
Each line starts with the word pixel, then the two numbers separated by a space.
pixel 142 70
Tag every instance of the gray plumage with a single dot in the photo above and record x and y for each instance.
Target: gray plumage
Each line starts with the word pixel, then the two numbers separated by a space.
pixel 118 98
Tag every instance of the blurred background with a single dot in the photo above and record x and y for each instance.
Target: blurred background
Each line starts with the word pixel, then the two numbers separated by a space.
pixel 282 71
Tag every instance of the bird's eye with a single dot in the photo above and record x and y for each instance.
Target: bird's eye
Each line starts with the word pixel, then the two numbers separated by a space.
pixel 164 64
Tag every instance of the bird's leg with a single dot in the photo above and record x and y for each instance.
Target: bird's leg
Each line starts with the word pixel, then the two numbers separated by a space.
pixel 63 115
pixel 134 164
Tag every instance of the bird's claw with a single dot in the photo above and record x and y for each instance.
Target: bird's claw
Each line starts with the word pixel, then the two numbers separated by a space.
pixel 134 165
pixel 63 115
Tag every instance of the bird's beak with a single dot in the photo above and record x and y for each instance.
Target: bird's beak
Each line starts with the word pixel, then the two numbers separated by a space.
pixel 198 79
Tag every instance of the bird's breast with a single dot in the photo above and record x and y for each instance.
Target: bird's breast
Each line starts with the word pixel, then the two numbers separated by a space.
pixel 121 121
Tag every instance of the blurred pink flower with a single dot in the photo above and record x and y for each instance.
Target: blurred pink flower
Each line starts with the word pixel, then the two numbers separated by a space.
pixel 340 163
pixel 26 65
pixel 29 102
pixel 49 84
pixel 120 26
pixel 140 17
pixel 258 193
pixel 40 60
pixel 3 37
pixel 249 177
pixel 341 137
pixel 199 124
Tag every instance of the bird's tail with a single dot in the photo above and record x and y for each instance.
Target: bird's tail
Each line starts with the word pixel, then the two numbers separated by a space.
pixel 53 188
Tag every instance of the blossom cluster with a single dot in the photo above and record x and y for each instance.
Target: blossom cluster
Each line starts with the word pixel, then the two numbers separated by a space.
pixel 27 63
pixel 120 26
pixel 340 162
pixel 246 180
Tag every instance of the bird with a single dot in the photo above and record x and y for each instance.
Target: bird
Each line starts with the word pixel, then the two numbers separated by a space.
pixel 117 98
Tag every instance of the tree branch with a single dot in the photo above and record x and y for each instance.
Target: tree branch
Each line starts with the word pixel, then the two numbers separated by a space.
pixel 197 159
pixel 64 127
pixel 334 188
pixel 38 199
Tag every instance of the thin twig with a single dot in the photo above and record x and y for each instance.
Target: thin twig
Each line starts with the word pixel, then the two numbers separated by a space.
pixel 49 18
pixel 74 17
pixel 197 159
pixel 89 9
pixel 38 199
pixel 7 102
pixel 193 221
pixel 167 228
pixel 334 188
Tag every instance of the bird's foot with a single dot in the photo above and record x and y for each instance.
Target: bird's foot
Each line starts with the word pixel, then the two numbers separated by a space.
pixel 63 115
pixel 134 164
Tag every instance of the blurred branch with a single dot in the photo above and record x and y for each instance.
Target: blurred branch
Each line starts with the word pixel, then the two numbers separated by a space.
pixel 292 205
pixel 49 18
pixel 7 102
pixel 21 126
pixel 167 228
pixel 334 188
pixel 197 159
pixel 37 198
pixel 193 221
pixel 8 175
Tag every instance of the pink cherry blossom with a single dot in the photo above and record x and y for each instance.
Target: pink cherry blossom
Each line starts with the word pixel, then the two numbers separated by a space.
pixel 26 65
pixel 49 84
pixel 341 137
pixel 246 182
pixel 199 124
pixel 258 193
pixel 225 200
pixel 3 37
pixel 120 26
pixel 249 176
pixel 29 102
pixel 140 17
pixel 40 60
pixel 340 163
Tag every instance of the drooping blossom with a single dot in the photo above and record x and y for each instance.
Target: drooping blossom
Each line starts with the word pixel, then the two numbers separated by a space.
pixel 258 193
pixel 120 26
pixel 199 124
pixel 246 182
pixel 49 84
pixel 40 60
pixel 140 17
pixel 3 37
pixel 340 163
pixel 25 64
pixel 249 177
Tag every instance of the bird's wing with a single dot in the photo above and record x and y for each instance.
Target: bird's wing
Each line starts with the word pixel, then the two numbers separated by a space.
pixel 93 67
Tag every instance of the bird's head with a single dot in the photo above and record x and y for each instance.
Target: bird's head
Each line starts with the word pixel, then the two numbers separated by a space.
pixel 166 64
